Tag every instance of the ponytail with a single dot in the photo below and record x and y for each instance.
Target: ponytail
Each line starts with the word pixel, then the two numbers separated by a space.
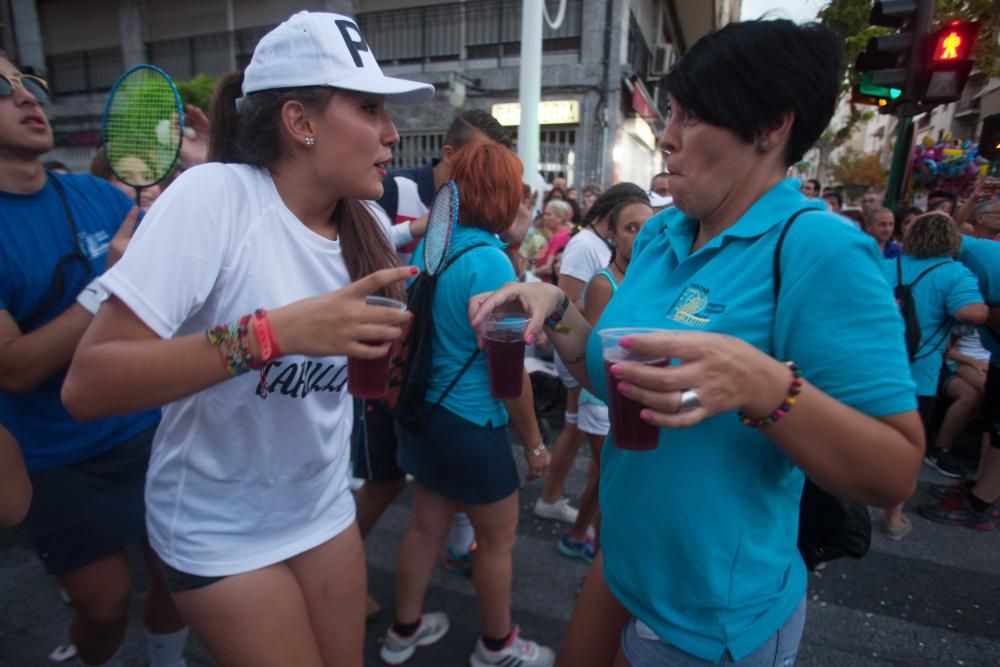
pixel 365 247
pixel 222 145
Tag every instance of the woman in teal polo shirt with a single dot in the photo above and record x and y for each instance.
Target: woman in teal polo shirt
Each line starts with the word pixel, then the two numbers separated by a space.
pixel 944 292
pixel 699 534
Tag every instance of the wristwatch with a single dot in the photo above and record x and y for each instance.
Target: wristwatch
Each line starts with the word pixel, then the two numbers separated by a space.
pixel 92 296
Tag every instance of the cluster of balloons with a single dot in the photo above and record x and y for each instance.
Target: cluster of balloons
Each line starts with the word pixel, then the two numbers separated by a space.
pixel 950 164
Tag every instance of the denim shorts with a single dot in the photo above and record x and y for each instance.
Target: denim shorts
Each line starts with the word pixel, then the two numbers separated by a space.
pixel 643 649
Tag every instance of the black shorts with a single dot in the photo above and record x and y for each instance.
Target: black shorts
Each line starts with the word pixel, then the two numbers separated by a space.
pixel 178 582
pixel 374 442
pixel 990 406
pixel 83 512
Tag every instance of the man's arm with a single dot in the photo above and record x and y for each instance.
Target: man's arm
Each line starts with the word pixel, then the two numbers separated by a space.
pixel 27 360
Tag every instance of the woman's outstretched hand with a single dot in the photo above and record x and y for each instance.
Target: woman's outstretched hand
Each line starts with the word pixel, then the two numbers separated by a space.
pixel 538 300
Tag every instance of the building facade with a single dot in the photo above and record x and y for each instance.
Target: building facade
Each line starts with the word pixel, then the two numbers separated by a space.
pixel 602 105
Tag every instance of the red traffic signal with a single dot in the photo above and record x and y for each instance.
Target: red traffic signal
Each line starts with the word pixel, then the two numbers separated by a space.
pixel 954 41
pixel 948 61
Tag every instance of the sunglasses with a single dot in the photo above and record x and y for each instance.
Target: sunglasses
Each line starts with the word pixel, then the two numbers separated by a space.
pixel 33 84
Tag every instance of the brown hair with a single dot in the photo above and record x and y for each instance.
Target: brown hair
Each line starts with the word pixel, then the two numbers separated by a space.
pixel 253 136
pixel 99 165
pixel 933 234
pixel 489 186
pixel 463 129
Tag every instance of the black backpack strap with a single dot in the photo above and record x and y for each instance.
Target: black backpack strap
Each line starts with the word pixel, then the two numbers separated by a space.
pixel 458 376
pixel 777 250
pixel 899 271
pixel 920 277
pixel 475 353
pixel 451 260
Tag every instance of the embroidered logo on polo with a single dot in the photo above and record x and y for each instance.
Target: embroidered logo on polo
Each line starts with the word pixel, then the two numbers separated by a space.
pixel 693 308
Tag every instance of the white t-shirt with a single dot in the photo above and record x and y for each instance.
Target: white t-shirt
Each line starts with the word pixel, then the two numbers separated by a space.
pixel 585 254
pixel 969 343
pixel 236 481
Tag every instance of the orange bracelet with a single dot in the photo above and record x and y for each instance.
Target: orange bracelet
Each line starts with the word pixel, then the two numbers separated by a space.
pixel 267 344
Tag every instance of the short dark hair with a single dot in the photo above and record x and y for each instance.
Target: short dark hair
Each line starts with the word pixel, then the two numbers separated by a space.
pixel 467 123
pixel 835 195
pixel 610 199
pixel 942 194
pixel 816 184
pixel 760 71
pixel 904 212
pixel 854 214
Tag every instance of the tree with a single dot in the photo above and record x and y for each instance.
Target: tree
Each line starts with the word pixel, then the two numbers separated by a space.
pixel 849 19
pixel 198 90
pixel 859 172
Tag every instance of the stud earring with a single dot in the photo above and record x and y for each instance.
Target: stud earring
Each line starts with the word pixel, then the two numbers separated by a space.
pixel 310 140
pixel 764 144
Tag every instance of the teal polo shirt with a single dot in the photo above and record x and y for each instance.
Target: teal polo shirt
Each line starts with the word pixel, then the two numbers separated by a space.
pixel 982 257
pixel 937 297
pixel 479 270
pixel 699 534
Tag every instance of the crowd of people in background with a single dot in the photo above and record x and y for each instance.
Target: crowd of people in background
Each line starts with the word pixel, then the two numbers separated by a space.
pixel 259 254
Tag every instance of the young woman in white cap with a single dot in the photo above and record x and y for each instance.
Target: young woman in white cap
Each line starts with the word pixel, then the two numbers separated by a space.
pixel 249 264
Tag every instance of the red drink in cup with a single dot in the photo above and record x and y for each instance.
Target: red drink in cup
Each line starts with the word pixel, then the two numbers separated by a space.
pixel 503 336
pixel 628 429
pixel 369 378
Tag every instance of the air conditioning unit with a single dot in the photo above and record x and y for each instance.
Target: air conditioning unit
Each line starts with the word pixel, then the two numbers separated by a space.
pixel 663 58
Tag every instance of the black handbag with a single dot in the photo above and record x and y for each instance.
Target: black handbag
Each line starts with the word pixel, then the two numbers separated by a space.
pixel 829 527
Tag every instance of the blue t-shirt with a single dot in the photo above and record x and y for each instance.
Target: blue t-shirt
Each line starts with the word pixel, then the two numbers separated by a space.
pixel 892 250
pixel 34 235
pixel 982 257
pixel 937 296
pixel 478 270
pixel 699 534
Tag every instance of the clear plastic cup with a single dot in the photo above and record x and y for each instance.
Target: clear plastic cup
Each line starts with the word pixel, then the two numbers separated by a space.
pixel 369 378
pixel 503 337
pixel 628 430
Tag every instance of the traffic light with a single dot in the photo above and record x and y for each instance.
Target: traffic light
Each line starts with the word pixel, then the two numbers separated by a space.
pixel 890 67
pixel 989 140
pixel 949 61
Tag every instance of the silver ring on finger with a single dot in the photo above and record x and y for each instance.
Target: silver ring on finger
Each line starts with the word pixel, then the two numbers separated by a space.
pixel 689 400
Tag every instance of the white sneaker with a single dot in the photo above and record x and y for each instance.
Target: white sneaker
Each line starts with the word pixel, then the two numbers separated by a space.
pixel 396 650
pixel 560 510
pixel 517 653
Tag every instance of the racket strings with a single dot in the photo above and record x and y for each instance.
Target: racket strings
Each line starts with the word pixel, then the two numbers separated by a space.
pixel 440 222
pixel 143 130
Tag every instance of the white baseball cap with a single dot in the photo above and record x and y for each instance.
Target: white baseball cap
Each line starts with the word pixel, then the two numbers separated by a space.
pixel 659 201
pixel 323 49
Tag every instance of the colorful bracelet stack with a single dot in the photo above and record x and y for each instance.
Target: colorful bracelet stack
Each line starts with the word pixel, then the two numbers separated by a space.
pixel 554 320
pixel 234 347
pixel 794 390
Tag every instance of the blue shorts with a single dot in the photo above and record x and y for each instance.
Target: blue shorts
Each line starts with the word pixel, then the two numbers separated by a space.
pixel 642 649
pixel 459 459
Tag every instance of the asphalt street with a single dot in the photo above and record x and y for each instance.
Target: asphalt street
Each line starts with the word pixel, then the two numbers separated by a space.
pixel 932 599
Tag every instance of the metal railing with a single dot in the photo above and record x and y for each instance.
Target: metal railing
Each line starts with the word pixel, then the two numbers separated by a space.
pixel 455 31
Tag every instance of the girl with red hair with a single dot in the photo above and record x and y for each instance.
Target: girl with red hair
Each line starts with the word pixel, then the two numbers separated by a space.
pixel 462 461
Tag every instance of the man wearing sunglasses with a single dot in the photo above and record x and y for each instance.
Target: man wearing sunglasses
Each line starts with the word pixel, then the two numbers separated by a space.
pixel 57 234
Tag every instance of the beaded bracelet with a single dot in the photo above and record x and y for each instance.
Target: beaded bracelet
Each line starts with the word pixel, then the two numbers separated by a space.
pixel 554 320
pixel 794 390
pixel 234 347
